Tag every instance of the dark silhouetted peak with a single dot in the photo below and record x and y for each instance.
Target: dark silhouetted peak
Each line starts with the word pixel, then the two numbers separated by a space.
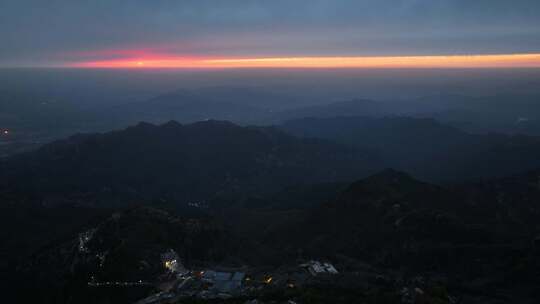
pixel 141 129
pixel 388 184
pixel 387 178
pixel 391 176
pixel 172 124
pixel 220 128
pixel 142 126
pixel 355 107
pixel 214 123
pixel 194 160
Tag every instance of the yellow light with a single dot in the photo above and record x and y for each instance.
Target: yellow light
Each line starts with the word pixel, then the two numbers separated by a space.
pixel 430 61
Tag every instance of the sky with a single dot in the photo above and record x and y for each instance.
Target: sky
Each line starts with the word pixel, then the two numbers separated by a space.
pixel 271 33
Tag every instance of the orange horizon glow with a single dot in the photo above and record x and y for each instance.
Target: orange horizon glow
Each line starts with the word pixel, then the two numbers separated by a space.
pixel 430 61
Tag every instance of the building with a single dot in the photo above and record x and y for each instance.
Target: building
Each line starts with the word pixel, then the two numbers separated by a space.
pixel 317 268
pixel 225 282
pixel 172 262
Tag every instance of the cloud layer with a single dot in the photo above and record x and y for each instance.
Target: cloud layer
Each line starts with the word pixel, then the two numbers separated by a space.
pixel 36 32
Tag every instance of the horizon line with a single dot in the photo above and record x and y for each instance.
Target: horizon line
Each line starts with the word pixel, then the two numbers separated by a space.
pixel 520 60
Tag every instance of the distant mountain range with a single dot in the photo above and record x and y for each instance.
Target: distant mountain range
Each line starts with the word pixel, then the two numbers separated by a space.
pixel 501 113
pixel 425 147
pixel 181 161
pixel 42 117
pixel 183 106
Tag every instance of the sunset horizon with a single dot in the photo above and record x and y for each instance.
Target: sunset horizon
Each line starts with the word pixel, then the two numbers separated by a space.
pixel 527 60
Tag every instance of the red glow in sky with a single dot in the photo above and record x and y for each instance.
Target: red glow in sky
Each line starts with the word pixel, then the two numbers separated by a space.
pixel 148 60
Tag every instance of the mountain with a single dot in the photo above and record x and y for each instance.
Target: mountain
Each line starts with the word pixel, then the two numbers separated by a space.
pixel 510 202
pixel 425 147
pixel 106 206
pixel 463 236
pixel 181 105
pixel 356 107
pixel 506 113
pixel 386 231
pixel 386 211
pixel 186 162
pixel 239 105
pixel 256 97
pixel 127 246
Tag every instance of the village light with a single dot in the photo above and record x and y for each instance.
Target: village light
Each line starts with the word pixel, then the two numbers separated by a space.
pixel 171 265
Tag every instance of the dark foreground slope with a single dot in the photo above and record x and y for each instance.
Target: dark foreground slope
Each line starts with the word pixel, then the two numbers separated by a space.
pixel 124 253
pixel 473 243
pixel 478 239
pixel 390 211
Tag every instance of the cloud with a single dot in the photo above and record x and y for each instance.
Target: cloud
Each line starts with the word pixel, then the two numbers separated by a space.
pixel 36 30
